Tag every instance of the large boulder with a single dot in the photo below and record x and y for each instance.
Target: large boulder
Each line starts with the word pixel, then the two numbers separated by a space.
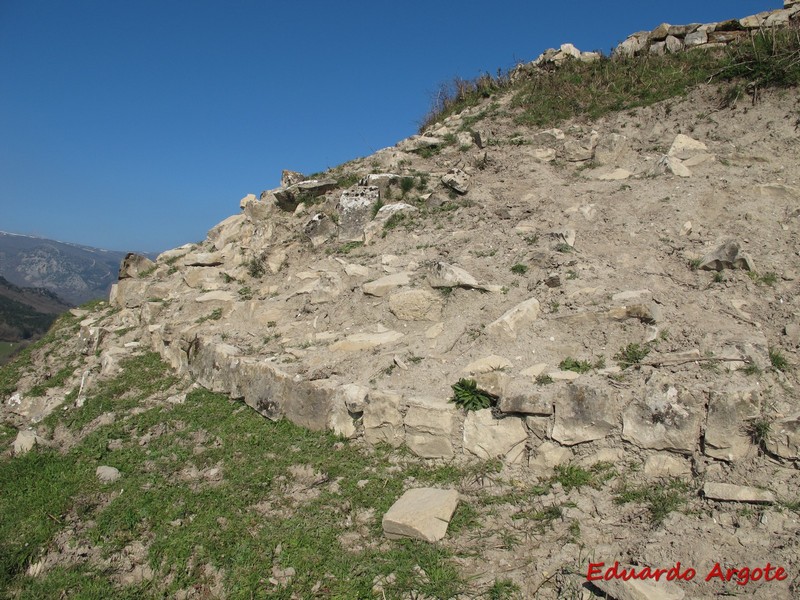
pixel 355 211
pixel 134 265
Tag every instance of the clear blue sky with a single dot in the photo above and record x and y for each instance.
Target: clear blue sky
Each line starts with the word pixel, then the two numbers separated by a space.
pixel 140 124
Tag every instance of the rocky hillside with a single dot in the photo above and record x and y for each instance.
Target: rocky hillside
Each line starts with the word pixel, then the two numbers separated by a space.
pixel 75 273
pixel 598 310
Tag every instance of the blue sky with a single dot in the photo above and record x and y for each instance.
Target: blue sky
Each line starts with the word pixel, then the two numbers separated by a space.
pixel 139 125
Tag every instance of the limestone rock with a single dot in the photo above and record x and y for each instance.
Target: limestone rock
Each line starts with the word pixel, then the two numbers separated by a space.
pixel 355 211
pixel 107 474
pixel 25 441
pixel 635 589
pixel 415 305
pixel 133 265
pixel 673 44
pixel 725 436
pixel 610 148
pixel 487 437
pixel 319 229
pixel 615 175
pixel 673 165
pixel 523 396
pixel 584 413
pixel 727 256
pixel 421 514
pixel 632 45
pixel 548 455
pixel 684 147
pixel 574 151
pixel 443 275
pixel 784 438
pixel 666 465
pixel 375 227
pixel 384 285
pixel 419 142
pixel 429 425
pixel 290 178
pixel 696 38
pixel 247 200
pixel 365 341
pixel 727 492
pixel 383 422
pixel 667 418
pixel 515 318
pixel 457 180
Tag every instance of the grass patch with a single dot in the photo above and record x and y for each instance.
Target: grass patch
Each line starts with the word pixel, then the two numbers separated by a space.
pixel 235 525
pixel 519 269
pixel 572 364
pixel 632 354
pixel 660 500
pixel 778 360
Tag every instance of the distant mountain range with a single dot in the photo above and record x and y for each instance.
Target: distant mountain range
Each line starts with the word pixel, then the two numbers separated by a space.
pixel 72 272
pixel 26 313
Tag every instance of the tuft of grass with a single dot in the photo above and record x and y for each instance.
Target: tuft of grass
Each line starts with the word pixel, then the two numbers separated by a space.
pixel 502 589
pixel 660 500
pixel 245 293
pixel 544 379
pixel 632 354
pixel 563 247
pixel 519 269
pixel 214 315
pixel 778 360
pixel 256 267
pixel 759 429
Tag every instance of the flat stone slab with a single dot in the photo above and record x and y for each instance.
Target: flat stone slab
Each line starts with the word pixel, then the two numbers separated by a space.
pixel 421 514
pixel 727 492
pixel 107 474
pixel 365 341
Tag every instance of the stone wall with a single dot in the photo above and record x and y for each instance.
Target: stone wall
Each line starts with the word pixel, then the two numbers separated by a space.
pixel 667 38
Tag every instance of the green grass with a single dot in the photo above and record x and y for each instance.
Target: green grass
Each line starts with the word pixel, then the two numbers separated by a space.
pixel 519 269
pixel 632 354
pixel 572 364
pixel 190 523
pixel 467 395
pixel 659 499
pixel 778 360
pixel 547 97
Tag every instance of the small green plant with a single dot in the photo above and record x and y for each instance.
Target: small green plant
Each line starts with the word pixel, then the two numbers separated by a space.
pixel 695 263
pixel 348 247
pixel 531 239
pixel 468 396
pixel 148 272
pixel 519 269
pixel 256 267
pixel 752 369
pixel 376 207
pixel 571 274
pixel 769 278
pixel 502 589
pixel 406 185
pixel 778 360
pixel 632 354
pixel 245 293
pixel 563 247
pixel 572 476
pixel 554 306
pixel 578 366
pixel 718 277
pixel 544 379
pixel 759 429
pixel 215 315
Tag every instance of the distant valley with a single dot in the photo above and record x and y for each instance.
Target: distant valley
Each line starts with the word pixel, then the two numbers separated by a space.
pixel 75 273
